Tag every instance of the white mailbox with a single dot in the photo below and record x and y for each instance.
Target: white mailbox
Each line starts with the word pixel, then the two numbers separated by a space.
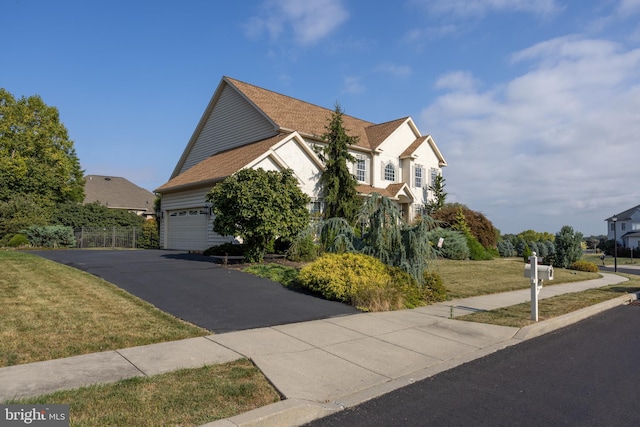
pixel 545 272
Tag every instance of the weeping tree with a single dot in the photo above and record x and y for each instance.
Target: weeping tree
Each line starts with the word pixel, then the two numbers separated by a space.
pixel 384 235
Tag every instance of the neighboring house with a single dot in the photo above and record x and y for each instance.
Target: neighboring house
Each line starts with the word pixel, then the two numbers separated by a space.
pixel 118 193
pixel 626 226
pixel 245 126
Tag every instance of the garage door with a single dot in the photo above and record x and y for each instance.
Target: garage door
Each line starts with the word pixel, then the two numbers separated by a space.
pixel 187 229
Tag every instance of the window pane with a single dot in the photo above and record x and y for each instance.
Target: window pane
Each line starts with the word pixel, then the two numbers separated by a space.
pixel 360 170
pixel 389 172
pixel 418 180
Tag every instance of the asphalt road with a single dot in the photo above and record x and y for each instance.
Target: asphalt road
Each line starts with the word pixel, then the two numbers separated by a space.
pixel 621 269
pixel 583 375
pixel 195 289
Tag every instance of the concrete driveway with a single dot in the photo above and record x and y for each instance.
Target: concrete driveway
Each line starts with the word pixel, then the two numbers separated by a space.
pixel 193 288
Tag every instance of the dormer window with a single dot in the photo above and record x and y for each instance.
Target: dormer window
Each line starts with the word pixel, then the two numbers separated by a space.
pixel 389 172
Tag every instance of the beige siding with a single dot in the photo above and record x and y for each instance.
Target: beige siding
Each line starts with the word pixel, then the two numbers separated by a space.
pixel 188 200
pixel 233 122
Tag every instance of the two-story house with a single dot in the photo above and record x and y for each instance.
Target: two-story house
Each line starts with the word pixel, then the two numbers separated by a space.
pixel 245 126
pixel 625 227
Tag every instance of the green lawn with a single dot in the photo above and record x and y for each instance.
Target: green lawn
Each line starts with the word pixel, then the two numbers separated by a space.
pixel 50 311
pixel 471 278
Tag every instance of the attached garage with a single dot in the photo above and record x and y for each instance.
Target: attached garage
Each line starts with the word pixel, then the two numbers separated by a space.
pixel 187 229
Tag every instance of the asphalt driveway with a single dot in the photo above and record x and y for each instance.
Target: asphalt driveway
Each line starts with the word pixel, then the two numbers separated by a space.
pixel 195 289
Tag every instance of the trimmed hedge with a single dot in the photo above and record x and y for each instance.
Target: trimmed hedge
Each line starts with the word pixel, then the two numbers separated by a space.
pixel 585 266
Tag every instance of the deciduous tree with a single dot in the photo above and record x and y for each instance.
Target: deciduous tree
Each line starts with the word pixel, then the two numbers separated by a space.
pixel 259 206
pixel 36 155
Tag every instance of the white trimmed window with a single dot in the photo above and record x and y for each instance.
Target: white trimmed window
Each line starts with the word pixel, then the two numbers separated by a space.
pixel 361 169
pixel 418 172
pixel 316 207
pixel 434 175
pixel 389 172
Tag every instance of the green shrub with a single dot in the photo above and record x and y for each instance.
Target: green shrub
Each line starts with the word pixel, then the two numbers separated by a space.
pixel 585 266
pixel 286 276
pixel 476 250
pixel 303 249
pixel 433 284
pixel 51 236
pixel 454 245
pixel 18 240
pixel 228 248
pixel 149 238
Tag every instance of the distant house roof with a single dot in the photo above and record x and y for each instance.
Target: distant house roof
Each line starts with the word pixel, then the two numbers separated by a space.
pixel 117 193
pixel 626 215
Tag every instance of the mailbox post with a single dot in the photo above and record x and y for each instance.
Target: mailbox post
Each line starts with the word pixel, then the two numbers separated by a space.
pixel 536 274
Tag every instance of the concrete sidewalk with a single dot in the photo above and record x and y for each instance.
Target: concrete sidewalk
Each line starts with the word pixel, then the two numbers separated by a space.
pixel 320 366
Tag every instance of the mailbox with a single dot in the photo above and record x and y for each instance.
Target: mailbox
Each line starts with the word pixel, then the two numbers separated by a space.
pixel 545 272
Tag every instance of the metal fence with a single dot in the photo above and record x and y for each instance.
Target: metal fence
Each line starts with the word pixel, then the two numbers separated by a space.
pixel 106 237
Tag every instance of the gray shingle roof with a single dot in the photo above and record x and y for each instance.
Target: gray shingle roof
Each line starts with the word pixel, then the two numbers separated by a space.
pixel 117 193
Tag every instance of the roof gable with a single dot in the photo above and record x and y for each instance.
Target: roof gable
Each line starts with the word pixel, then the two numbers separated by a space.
pixel 221 165
pixel 293 114
pixel 377 134
pixel 626 215
pixel 396 191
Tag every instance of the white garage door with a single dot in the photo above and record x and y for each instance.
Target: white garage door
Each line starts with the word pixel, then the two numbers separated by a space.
pixel 187 229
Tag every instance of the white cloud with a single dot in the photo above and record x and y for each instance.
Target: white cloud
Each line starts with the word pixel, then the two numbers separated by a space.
pixel 460 80
pixel 396 70
pixel 629 7
pixel 479 8
pixel 352 85
pixel 308 21
pixel 555 146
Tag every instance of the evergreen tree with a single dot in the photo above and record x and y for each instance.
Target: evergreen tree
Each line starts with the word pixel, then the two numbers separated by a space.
pixel 339 185
pixel 439 195
pixel 568 247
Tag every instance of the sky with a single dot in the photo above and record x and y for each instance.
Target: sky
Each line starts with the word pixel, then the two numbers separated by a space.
pixel 535 104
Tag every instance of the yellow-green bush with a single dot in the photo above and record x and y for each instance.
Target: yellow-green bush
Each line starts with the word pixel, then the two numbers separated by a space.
pixel 585 266
pixel 365 282
pixel 340 276
pixel 435 290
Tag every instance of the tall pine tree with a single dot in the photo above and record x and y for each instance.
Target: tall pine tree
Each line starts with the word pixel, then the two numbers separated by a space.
pixel 339 185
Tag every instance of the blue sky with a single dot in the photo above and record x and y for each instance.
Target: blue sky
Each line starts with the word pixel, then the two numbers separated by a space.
pixel 535 104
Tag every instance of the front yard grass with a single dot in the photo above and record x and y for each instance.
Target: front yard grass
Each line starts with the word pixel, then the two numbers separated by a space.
pixel 50 311
pixel 465 279
pixel 520 315
pixel 187 397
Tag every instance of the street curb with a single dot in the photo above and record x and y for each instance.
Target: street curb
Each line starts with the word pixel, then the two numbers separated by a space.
pixel 297 412
pixel 290 412
pixel 550 325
